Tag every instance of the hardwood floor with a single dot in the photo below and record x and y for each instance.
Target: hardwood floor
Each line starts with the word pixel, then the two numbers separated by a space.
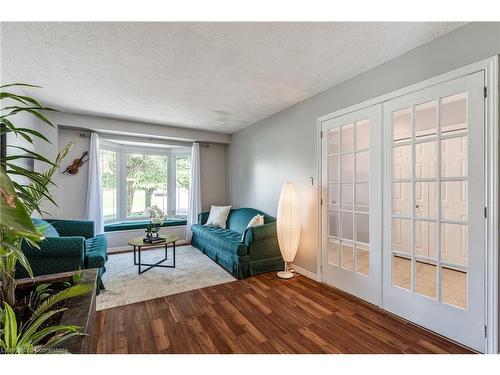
pixel 262 314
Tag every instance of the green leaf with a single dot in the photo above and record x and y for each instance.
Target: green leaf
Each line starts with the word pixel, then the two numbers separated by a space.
pixel 17 254
pixel 36 155
pixel 18 84
pixel 33 325
pixel 13 215
pixel 40 335
pixel 74 291
pixel 10 329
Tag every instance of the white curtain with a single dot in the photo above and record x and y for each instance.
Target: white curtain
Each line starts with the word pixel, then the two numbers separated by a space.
pixel 93 208
pixel 194 202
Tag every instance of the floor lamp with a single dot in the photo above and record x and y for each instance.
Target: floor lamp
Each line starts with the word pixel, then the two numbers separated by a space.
pixel 288 226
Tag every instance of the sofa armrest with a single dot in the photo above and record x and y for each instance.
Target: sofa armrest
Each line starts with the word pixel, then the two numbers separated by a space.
pixel 260 232
pixel 85 228
pixel 203 217
pixel 54 247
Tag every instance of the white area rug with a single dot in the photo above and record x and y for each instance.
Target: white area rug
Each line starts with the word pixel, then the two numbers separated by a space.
pixel 124 285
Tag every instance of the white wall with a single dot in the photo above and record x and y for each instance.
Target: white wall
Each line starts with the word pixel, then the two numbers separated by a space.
pixel 283 147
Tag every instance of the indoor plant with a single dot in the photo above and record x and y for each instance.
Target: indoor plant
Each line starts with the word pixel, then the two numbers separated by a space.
pixel 20 196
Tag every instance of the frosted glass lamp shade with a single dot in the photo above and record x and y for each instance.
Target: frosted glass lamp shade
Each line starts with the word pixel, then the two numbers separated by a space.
pixel 288 222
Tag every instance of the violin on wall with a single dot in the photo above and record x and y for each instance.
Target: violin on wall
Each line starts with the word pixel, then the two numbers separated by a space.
pixel 77 163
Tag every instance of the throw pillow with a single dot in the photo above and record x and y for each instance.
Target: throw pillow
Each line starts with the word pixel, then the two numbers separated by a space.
pixel 45 228
pixel 256 221
pixel 218 216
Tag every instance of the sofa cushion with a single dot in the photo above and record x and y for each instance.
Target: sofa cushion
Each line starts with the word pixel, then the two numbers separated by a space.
pixel 140 224
pixel 224 239
pixel 46 228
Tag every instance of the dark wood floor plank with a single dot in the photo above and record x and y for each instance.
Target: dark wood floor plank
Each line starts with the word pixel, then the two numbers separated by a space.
pixel 262 314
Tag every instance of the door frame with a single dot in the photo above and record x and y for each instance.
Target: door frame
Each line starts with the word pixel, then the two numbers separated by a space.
pixel 490 67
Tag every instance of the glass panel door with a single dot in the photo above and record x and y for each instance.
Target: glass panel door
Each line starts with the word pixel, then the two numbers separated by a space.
pixel 433 213
pixel 351 193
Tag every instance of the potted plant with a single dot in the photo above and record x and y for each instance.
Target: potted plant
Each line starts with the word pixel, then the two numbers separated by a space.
pixel 156 219
pixel 30 325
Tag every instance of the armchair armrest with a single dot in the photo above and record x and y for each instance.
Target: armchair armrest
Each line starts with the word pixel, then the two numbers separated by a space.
pixel 67 228
pixel 203 217
pixel 53 247
pixel 259 233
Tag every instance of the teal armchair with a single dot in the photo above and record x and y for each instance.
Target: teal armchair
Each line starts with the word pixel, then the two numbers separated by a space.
pixel 69 245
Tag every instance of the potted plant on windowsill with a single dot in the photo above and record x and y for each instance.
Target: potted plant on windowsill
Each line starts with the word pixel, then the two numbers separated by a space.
pixel 34 323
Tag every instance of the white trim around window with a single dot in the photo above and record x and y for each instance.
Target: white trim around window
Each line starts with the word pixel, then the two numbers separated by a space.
pixel 121 151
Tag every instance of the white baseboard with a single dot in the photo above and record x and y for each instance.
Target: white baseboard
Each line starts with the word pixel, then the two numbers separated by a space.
pixel 304 272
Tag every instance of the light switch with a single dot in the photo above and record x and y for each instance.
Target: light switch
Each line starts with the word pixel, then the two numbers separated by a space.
pixel 311 181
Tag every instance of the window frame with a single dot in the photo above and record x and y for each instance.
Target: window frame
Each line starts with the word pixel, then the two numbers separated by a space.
pixel 121 152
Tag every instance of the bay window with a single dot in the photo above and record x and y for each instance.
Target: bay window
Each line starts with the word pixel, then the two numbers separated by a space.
pixel 137 177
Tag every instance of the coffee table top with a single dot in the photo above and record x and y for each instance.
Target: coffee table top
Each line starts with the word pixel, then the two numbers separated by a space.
pixel 138 241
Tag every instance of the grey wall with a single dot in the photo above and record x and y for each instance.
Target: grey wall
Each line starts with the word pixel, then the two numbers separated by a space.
pixel 283 147
pixel 71 190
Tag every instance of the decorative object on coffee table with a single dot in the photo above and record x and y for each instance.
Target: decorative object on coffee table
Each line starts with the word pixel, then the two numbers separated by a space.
pixel 157 218
pixel 139 244
pixel 288 226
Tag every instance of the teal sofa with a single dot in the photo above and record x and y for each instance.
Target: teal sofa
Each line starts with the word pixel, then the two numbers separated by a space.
pixel 240 250
pixel 69 245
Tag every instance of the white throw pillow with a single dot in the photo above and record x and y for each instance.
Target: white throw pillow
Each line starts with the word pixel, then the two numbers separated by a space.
pixel 256 221
pixel 218 216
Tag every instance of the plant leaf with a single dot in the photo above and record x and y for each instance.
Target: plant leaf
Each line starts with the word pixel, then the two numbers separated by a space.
pixel 10 329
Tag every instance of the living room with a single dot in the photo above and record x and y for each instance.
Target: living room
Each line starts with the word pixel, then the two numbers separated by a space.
pixel 251 187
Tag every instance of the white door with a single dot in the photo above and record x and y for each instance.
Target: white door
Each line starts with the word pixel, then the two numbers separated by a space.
pixel 351 210
pixel 434 246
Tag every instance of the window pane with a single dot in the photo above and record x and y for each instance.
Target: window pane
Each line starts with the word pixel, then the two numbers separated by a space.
pixel 362 166
pixel 454 199
pixel 425 160
pixel 347 226
pixel 401 235
pixel 454 157
pixel 401 125
pixel 362 134
pixel 146 183
pixel 401 162
pixel 333 168
pixel 333 141
pixel 333 194
pixel 425 120
pixel 109 185
pixel 347 196
pixel 425 279
pixel 347 167
pixel 425 239
pixel 334 252
pixel 362 259
pixel 363 228
pixel 454 244
pixel 182 177
pixel 362 197
pixel 454 113
pixel 401 272
pixel 347 256
pixel 401 198
pixel 333 223
pixel 426 199
pixel 454 287
pixel 347 138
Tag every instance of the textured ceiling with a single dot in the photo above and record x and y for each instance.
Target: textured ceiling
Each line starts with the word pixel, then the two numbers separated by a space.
pixel 212 76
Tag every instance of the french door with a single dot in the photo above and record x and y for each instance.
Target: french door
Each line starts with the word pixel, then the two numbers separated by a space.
pixel 403 222
pixel 434 245
pixel 352 218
